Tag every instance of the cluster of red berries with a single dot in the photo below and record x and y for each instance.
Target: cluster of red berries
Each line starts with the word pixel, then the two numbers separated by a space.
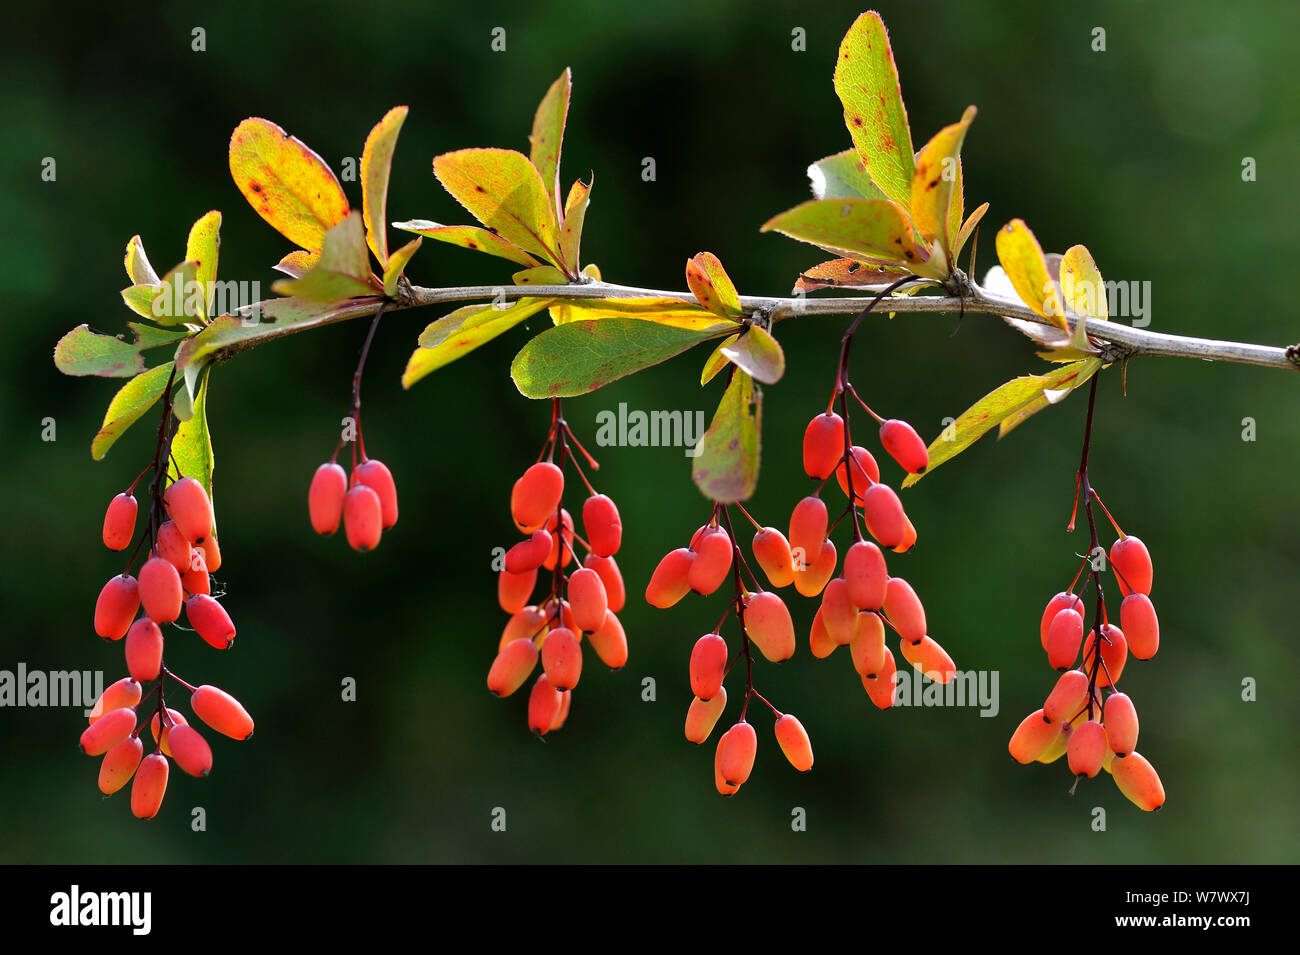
pixel 1085 718
pixel 366 505
pixel 584 601
pixel 184 552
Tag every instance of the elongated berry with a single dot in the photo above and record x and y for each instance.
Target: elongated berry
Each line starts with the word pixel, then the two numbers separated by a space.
pixel 529 554
pixel 513 590
pixel 160 732
pixel 329 485
pixel 812 581
pixel 125 692
pixel 116 606
pixel 866 575
pixel 735 754
pixel 536 496
pixel 794 742
pixel 1057 745
pixel 839 615
pixel 823 444
pixel 768 623
pixel 603 525
pixel 772 551
pixel 1064 635
pixel 708 664
pixel 905 446
pixel 611 577
pixel 1087 749
pixel 560 543
pixel 882 512
pixel 1138 780
pixel 1131 562
pixel 712 562
pixel 210 621
pixel 808 531
pixel 119 521
pixel 119 765
pixel 1137 615
pixel 930 658
pixel 527 622
pixel 703 715
pixel 190 750
pixel 610 642
pixel 566 700
pixel 106 732
pixel 1034 734
pixel 511 667
pixel 149 787
pixel 222 712
pixel 1121 719
pixel 544 702
pixel 211 553
pixel 173 547
pixel 904 609
pixel 724 788
pixel 562 658
pixel 187 504
pixel 1114 653
pixel 1062 601
pixel 909 537
pixel 144 650
pixel 882 687
pixel 818 639
pixel 363 518
pixel 374 474
pixel 868 646
pixel 588 599
pixel 1068 697
pixel 196 580
pixel 670 581
pixel 160 590
pixel 865 473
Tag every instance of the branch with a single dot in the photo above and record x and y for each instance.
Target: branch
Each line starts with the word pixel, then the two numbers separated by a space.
pixel 1126 341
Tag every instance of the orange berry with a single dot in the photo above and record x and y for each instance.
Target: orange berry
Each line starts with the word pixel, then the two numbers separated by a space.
pixel 818 639
pixel 610 642
pixel 325 496
pixel 1087 749
pixel 222 712
pixel 865 473
pixel 808 531
pixel 904 609
pixel 603 525
pixel 812 581
pixel 1068 697
pixel 909 537
pixel 1032 737
pixel 1138 780
pixel 511 667
pixel 930 658
pixel 1137 615
pixel 703 715
pixel 160 590
pixel 881 687
pixel 529 554
pixel 564 540
pixel 1131 562
pixel 1062 601
pixel 794 742
pixel 107 731
pixel 1064 635
pixel 196 580
pixel 712 561
pixel 839 615
pixel 868 646
pixel 119 765
pixel 1121 719
pixel 866 575
pixel 724 788
pixel 544 703
pixel 671 579
pixel 144 650
pixel 1057 745
pixel 125 692
pixel 823 444
pixel 513 590
pixel 211 553
pixel 611 577
pixel 363 518
pixel 587 596
pixel 708 665
pixel 883 513
pixel 772 551
pixel 768 623
pixel 160 733
pixel 1114 651
pixel 566 699
pixel 119 521
pixel 116 606
pixel 190 750
pixel 536 496
pixel 905 446
pixel 374 474
pixel 149 787
pixel 187 504
pixel 527 623
pixel 562 658
pixel 210 621
pixel 734 758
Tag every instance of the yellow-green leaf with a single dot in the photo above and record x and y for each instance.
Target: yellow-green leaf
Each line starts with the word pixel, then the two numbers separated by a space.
pixel 297 263
pixel 875 228
pixel 1082 286
pixel 178 298
pixel 465 329
pixel 376 164
pixel 866 81
pixel 547 137
pixel 717 360
pixel 575 213
pixel 758 354
pixel 269 319
pixel 843 176
pixel 468 237
pixel 662 311
pixel 397 265
pixel 1022 258
pixel 504 191
pixel 139 299
pixel 935 182
pixel 727 457
pixel 541 275
pixel 286 183
pixel 712 286
pixel 138 269
pixel 341 272
pixel 964 234
pixel 201 248
pixel 127 407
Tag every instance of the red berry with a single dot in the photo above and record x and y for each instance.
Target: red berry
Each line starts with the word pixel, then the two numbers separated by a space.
pixel 211 553
pixel 160 590
pixel 603 526
pixel 768 623
pixel 794 742
pixel 187 504
pixel 125 692
pixel 823 444
pixel 553 557
pixel 881 687
pixel 119 765
pixel 734 760
pixel 528 554
pixel 1137 779
pixel 210 621
pixel 772 551
pixel 866 575
pixel 1121 719
pixel 1087 749
pixel 106 732
pixel 1137 616
pixel 190 750
pixel 374 474
pixel 1034 734
pixel 610 642
pixel 905 446
pixel 904 609
pixel 562 658
pixel 1132 565
pixel 930 658
pixel 173 547
pixel 611 577
pixel 329 485
pixel 222 712
pixel 536 496
pixel 149 787
pixel 708 664
pixel 526 622
pixel 1114 651
pixel 588 598
pixel 712 561
pixel 144 650
pixel 1067 697
pixel 811 582
pixel 703 715
pixel 671 579
pixel 868 645
pixel 511 667
pixel 1064 635
pixel 566 699
pixel 196 580
pixel 865 473
pixel 174 718
pixel 883 513
pixel 909 537
pixel 544 704
pixel 839 615
pixel 115 609
pixel 363 518
pixel 1062 601
pixel 513 590
pixel 807 531
pixel 119 522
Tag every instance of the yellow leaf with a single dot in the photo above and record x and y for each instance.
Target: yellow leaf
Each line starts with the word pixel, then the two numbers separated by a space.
pixel 469 237
pixel 1089 367
pixel 297 263
pixel 376 164
pixel 547 137
pixel 201 249
pixel 397 265
pixel 286 183
pixel 875 229
pixel 504 191
pixel 1081 284
pixel 575 213
pixel 541 275
pixel 1022 258
pixel 717 361
pixel 663 311
pixel 712 286
pixel 937 173
pixel 138 269
pixel 967 228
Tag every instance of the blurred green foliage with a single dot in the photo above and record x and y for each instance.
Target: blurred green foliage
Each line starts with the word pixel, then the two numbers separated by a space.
pixel 1136 152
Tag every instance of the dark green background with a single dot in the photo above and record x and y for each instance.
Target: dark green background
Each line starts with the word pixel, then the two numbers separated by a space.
pixel 1135 151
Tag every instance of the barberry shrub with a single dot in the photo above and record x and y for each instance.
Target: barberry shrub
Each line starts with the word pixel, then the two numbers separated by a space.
pixel 893 220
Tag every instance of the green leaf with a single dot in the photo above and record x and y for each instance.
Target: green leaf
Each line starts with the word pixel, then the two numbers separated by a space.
pixel 83 352
pixel 192 445
pixel 866 81
pixel 504 191
pixel 376 164
pixel 579 357
pixel 179 298
pixel 465 329
pixel 1013 401
pixel 843 176
pixel 127 407
pixel 875 228
pixel 758 354
pixel 469 237
pixel 727 457
pixel 397 265
pixel 342 271
pixel 548 135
